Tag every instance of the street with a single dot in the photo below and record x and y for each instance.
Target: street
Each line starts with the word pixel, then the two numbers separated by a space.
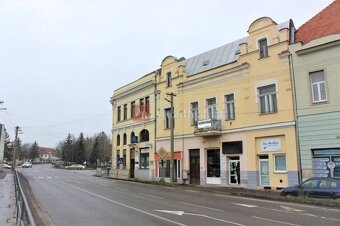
pixel 76 197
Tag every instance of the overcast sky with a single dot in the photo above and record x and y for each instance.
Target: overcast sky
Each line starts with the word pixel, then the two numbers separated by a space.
pixel 60 61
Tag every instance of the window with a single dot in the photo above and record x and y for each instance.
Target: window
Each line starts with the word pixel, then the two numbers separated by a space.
pixel 141 105
pixel 211 108
pixel 213 163
pixel 133 106
pixel 125 111
pixel 124 139
pixel 147 102
pixel 144 158
pixel 144 135
pixel 164 168
pixel 263 48
pixel 118 113
pixel 132 138
pixel 194 113
pixel 318 85
pixel 327 184
pixel 280 163
pixel 118 140
pixel 167 121
pixel 230 106
pixel 267 99
pixel 310 184
pixel 168 79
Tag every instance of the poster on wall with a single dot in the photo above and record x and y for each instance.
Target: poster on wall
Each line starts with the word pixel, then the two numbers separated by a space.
pixel 271 144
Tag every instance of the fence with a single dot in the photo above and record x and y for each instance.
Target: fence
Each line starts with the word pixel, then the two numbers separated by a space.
pixel 24 214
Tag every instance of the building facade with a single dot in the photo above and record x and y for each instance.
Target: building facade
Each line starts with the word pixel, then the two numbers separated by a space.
pixel 316 64
pixel 47 155
pixel 234 112
pixel 2 144
pixel 133 130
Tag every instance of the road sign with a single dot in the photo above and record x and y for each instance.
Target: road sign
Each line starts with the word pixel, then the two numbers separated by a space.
pixel 120 161
pixel 331 165
pixel 162 163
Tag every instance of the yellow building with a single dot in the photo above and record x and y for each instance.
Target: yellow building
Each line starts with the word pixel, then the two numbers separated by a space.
pixel 234 117
pixel 133 129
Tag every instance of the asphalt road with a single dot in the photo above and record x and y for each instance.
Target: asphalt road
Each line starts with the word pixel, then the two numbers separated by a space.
pixel 79 198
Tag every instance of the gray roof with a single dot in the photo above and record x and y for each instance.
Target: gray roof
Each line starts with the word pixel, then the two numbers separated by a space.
pixel 217 57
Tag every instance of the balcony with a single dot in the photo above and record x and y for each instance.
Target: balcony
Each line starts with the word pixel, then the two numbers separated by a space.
pixel 208 127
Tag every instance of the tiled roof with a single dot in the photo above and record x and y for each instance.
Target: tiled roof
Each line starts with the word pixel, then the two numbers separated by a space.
pixel 43 150
pixel 326 22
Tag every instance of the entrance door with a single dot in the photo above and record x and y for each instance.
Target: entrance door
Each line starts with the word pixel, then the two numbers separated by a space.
pixel 234 172
pixel 264 172
pixel 194 166
pixel 132 168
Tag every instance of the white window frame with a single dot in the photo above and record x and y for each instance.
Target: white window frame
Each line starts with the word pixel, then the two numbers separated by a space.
pixel 279 171
pixel 194 113
pixel 213 109
pixel 232 104
pixel 318 84
pixel 268 100
pixel 266 47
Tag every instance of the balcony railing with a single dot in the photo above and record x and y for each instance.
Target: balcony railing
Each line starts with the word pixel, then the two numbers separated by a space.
pixel 208 127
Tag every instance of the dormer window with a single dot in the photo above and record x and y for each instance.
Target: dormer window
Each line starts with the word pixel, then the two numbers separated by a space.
pixel 263 47
pixel 168 79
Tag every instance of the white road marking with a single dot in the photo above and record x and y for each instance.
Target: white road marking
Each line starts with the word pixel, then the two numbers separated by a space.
pixel 49 177
pixel 280 222
pixel 180 213
pixel 74 181
pixel 122 204
pixel 205 207
pixel 190 190
pixel 41 177
pixel 121 189
pixel 291 209
pixel 245 205
pixel 152 196
pixel 171 188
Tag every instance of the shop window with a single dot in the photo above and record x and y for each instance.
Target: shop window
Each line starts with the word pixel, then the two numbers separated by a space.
pixel 164 168
pixel 213 163
pixel 267 99
pixel 144 159
pixel 280 163
pixel 318 86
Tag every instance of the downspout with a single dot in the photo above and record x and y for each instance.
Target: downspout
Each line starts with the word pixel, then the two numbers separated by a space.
pixel 291 68
pixel 155 124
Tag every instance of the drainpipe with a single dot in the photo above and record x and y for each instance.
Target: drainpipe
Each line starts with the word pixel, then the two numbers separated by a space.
pixel 155 124
pixel 291 68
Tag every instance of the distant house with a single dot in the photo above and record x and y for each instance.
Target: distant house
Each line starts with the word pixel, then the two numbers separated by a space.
pixel 47 154
pixel 2 144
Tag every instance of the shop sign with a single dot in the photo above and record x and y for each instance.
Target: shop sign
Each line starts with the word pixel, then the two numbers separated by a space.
pixel 273 144
pixel 204 124
pixel 144 150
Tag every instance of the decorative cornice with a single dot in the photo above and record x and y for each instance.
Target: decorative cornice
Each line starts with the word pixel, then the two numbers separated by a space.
pixel 135 89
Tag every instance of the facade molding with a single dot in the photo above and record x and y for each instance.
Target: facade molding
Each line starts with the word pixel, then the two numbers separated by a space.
pixel 143 86
pixel 116 128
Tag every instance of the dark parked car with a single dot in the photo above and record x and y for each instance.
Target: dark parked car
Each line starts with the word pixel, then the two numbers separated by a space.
pixel 322 187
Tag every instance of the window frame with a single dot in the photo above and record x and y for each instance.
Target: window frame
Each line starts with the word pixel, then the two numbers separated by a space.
pixel 133 109
pixel 263 49
pixel 146 157
pixel 118 140
pixel 168 79
pixel 194 113
pixel 119 112
pixel 167 118
pixel 124 139
pixel 125 112
pixel 270 108
pixel 318 87
pixel 142 135
pixel 275 164
pixel 232 103
pixel 213 109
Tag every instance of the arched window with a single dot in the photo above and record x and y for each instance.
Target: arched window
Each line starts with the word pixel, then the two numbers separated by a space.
pixel 144 135
pixel 124 139
pixel 132 137
pixel 118 140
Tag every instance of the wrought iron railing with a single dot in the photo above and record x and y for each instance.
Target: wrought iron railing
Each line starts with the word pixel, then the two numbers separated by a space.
pixel 208 125
pixel 24 214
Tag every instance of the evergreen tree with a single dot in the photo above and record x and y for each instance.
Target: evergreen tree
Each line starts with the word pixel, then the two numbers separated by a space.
pixel 80 150
pixel 95 151
pixel 8 150
pixel 67 149
pixel 34 151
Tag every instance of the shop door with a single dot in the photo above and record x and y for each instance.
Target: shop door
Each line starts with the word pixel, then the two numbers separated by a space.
pixel 264 172
pixel 132 168
pixel 194 166
pixel 234 172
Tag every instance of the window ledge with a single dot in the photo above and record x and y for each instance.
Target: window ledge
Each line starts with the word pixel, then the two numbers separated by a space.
pixel 263 58
pixel 270 113
pixel 280 172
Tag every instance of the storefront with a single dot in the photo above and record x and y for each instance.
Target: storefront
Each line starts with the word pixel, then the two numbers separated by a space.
pixel 233 150
pixel 326 162
pixel 163 166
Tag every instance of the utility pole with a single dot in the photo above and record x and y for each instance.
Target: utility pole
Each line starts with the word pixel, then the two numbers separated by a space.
pixel 15 146
pixel 172 123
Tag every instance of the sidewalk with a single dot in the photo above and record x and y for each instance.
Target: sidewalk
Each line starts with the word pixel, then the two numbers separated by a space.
pixel 7 198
